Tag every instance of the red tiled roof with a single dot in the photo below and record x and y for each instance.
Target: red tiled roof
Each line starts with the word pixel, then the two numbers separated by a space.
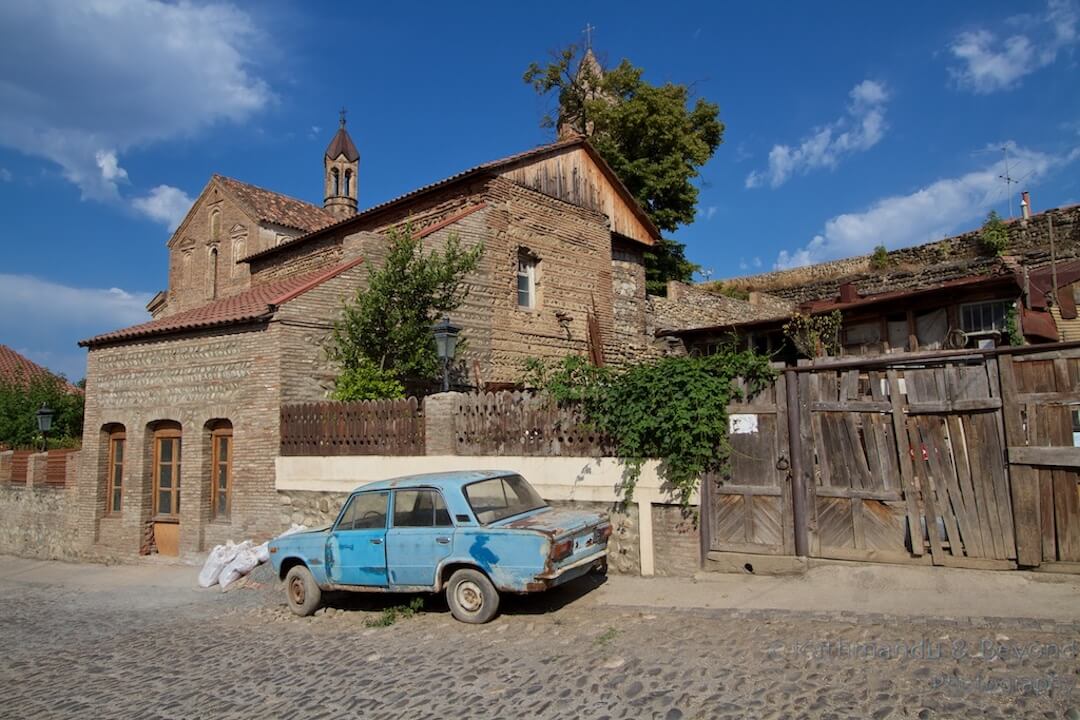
pixel 479 170
pixel 273 207
pixel 15 368
pixel 258 303
pixel 342 144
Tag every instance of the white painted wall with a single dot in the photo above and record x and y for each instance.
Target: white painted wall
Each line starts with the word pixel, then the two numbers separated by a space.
pixel 555 478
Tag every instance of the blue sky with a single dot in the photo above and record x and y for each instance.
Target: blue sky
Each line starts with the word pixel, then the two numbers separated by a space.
pixel 848 124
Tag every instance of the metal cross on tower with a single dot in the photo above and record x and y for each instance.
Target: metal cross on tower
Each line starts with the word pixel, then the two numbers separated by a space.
pixel 341 114
pixel 588 35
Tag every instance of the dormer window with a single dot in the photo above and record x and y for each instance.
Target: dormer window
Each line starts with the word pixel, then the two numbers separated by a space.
pixel 526 279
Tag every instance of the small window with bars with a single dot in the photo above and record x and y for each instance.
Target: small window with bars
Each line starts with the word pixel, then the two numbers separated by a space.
pixel 984 316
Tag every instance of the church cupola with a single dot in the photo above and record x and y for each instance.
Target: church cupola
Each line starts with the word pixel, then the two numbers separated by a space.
pixel 341 163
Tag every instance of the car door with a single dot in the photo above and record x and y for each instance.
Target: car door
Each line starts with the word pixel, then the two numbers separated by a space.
pixel 356 548
pixel 420 537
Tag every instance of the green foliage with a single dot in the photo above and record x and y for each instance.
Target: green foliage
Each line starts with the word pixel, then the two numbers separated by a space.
pixel 815 335
pixel 1012 327
pixel 652 136
pixel 666 260
pixel 735 292
pixel 994 237
pixel 880 259
pixel 367 382
pixel 384 337
pixel 391 615
pixel 673 409
pixel 19 403
pixel 604 638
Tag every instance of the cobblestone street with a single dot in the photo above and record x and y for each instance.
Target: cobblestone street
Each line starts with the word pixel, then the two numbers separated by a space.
pixel 143 651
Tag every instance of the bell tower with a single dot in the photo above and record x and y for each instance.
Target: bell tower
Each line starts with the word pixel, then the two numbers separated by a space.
pixel 341 164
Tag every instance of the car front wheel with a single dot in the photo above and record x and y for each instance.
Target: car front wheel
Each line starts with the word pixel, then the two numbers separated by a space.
pixel 302 591
pixel 471 596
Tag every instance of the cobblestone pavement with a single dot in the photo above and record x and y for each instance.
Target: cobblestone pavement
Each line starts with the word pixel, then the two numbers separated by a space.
pixel 142 652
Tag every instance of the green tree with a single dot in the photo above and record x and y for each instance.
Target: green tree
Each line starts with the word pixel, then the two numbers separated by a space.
pixel 653 136
pixel 880 259
pixel 20 398
pixel 383 337
pixel 994 236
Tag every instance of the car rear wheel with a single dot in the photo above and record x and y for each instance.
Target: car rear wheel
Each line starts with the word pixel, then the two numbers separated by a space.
pixel 471 596
pixel 302 592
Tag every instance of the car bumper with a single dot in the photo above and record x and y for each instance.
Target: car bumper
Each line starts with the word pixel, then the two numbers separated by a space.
pixel 569 572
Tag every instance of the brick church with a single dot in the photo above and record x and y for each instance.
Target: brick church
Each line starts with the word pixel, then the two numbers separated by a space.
pixel 183 411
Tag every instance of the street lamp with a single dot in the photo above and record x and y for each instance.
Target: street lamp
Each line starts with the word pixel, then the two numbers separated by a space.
pixel 446 337
pixel 44 423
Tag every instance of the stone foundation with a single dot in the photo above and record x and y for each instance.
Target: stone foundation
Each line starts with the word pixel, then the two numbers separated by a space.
pixel 38 522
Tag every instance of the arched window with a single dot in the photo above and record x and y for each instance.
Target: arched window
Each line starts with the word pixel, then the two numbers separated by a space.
pixel 221 460
pixel 215 224
pixel 335 182
pixel 348 183
pixel 166 460
pixel 115 440
pixel 213 272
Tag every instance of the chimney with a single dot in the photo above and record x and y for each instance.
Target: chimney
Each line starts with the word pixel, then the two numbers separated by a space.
pixel 1025 204
pixel 848 293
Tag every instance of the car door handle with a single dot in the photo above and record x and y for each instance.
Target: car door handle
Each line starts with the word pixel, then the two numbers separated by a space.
pixel 443 540
pixel 343 546
pixel 376 541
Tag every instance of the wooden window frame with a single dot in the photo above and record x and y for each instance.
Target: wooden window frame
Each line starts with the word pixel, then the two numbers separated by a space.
pixel 530 273
pixel 215 461
pixel 110 473
pixel 159 435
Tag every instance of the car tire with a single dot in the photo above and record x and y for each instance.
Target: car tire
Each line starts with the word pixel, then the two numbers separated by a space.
pixel 471 596
pixel 601 568
pixel 302 592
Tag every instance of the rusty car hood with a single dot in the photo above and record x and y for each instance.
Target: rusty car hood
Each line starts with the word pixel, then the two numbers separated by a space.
pixel 555 523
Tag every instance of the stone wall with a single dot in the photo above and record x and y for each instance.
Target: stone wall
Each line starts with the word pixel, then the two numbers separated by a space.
pixel 38 520
pixel 689 306
pixel 921 265
pixel 676 540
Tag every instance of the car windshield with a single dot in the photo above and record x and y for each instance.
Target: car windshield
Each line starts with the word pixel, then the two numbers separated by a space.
pixel 501 497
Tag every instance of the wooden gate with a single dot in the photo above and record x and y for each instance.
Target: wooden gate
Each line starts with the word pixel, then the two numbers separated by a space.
pixel 1042 399
pixel 967 459
pixel 750 506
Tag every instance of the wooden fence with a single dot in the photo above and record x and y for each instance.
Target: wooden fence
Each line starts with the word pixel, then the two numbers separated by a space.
pixel 56 464
pixel 20 465
pixel 383 427
pixel 960 459
pixel 515 423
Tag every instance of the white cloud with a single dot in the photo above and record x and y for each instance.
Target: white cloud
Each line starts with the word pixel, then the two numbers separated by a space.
pixel 110 75
pixel 929 213
pixel 989 64
pixel 710 212
pixel 860 130
pixel 5 175
pixel 165 204
pixel 48 318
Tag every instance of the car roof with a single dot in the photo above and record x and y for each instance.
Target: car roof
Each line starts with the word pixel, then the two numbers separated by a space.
pixel 441 480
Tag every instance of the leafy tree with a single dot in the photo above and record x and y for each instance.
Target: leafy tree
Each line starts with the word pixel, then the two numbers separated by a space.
pixel 815 335
pixel 20 398
pixel 384 338
pixel 651 135
pixel 880 259
pixel 994 237
pixel 673 409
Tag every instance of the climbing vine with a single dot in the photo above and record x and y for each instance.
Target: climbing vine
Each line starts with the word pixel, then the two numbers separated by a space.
pixel 673 409
pixel 815 335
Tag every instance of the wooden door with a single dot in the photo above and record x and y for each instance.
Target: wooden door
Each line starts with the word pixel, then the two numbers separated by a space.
pixel 166 490
pixel 750 505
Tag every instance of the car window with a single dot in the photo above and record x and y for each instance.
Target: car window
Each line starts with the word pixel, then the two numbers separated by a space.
pixel 366 511
pixel 420 508
pixel 498 498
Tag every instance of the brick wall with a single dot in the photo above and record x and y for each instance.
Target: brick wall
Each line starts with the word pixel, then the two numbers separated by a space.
pixel 231 375
pixel 39 520
pixel 676 541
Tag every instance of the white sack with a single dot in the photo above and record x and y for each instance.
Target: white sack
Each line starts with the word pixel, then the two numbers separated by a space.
pixel 244 562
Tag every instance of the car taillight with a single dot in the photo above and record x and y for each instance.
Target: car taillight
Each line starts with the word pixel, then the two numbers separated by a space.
pixel 562 549
pixel 603 532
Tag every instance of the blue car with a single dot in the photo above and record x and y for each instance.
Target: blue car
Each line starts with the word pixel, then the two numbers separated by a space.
pixel 470 534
